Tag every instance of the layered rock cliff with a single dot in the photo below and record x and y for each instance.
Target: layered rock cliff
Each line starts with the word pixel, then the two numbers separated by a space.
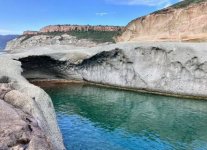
pixel 170 68
pixel 178 69
pixel 166 68
pixel 185 21
pixel 72 35
pixel 67 28
pixel 28 42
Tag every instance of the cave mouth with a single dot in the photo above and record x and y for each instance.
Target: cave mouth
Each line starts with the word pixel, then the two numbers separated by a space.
pixel 42 67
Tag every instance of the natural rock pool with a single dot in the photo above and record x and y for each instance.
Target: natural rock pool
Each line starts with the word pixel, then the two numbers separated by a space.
pixel 98 118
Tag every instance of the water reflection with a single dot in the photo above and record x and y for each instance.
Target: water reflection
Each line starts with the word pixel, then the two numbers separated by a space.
pixel 101 118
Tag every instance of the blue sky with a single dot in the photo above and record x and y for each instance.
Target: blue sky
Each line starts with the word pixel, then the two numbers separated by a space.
pixel 17 16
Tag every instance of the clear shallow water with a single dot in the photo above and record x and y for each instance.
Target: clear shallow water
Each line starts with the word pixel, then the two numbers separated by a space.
pixel 97 118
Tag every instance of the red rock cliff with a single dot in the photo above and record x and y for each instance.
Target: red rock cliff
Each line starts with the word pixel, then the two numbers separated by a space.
pixel 30 32
pixel 66 28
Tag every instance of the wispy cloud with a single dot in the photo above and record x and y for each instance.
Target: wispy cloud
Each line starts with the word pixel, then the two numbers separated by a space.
pixel 5 32
pixel 158 3
pixel 102 14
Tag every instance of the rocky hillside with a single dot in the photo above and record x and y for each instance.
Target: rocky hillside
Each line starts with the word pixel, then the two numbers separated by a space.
pixel 67 28
pixel 70 35
pixel 4 39
pixel 27 115
pixel 28 41
pixel 171 68
pixel 184 21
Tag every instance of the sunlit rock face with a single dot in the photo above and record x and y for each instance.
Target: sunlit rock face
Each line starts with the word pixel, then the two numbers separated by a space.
pixel 171 24
pixel 61 35
pixel 25 105
pixel 66 28
pixel 25 42
pixel 20 130
pixel 168 69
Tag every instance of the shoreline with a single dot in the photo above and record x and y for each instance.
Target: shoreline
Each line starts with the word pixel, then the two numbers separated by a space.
pixel 39 82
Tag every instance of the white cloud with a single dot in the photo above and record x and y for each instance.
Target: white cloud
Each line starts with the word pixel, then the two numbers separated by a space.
pixel 102 14
pixel 158 3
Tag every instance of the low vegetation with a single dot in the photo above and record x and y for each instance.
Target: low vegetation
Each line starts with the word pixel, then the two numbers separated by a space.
pixel 178 5
pixel 186 3
pixel 96 36
pixel 26 37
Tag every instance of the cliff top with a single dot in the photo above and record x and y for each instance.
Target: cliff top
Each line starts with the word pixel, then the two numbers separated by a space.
pixel 97 34
pixel 68 27
pixel 181 4
pixel 88 25
pixel 186 3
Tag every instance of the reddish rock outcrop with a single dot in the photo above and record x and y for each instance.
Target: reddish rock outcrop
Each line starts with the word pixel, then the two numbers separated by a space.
pixel 187 23
pixel 66 28
pixel 30 32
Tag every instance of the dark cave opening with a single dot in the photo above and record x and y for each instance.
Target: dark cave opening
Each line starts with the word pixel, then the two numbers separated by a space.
pixel 42 67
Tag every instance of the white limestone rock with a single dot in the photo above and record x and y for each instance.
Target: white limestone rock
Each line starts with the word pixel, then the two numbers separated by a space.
pixel 32 100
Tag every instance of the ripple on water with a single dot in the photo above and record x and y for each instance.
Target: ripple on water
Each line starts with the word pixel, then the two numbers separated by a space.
pixel 97 118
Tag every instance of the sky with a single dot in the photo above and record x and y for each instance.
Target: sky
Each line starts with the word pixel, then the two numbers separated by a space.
pixel 17 16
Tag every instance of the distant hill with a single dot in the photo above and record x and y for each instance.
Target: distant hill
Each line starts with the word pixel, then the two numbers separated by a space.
pixel 4 39
pixel 72 35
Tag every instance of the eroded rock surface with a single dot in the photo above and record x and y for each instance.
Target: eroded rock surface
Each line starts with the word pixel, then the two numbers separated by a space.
pixel 44 40
pixel 170 68
pixel 66 28
pixel 85 36
pixel 31 101
pixel 19 130
pixel 167 68
pixel 171 24
pixel 150 68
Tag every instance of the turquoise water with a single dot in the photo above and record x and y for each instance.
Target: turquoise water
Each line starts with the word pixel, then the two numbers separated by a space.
pixel 97 118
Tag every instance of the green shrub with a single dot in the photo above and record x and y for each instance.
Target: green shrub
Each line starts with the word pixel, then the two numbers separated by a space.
pixel 26 37
pixel 96 36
